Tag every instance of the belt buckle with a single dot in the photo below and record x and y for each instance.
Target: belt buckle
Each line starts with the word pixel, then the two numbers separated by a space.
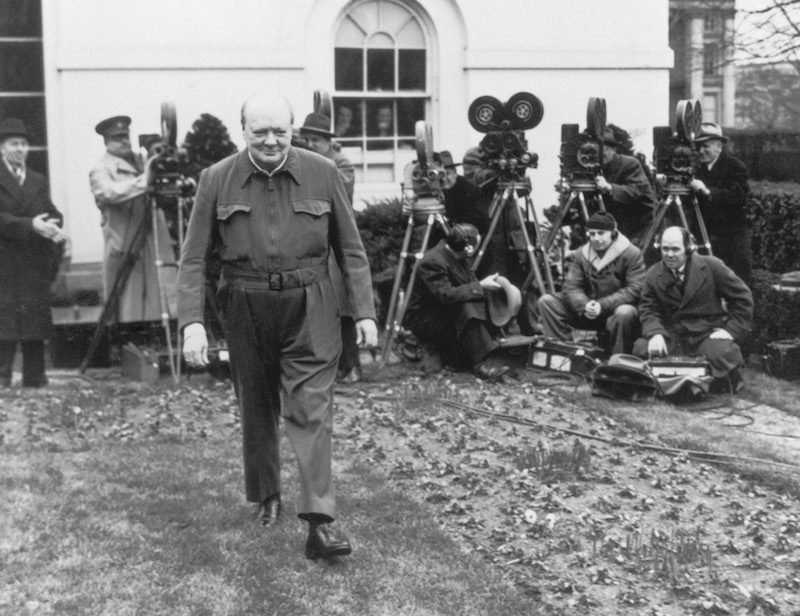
pixel 275 281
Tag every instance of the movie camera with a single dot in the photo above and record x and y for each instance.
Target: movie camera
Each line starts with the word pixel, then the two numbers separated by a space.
pixel 168 162
pixel 425 175
pixel 505 149
pixel 582 152
pixel 675 153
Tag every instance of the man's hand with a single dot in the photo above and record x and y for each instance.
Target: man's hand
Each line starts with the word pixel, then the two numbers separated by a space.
pixel 195 345
pixel 48 228
pixel 592 309
pixel 366 333
pixel 700 187
pixel 490 283
pixel 657 346
pixel 602 185
pixel 720 334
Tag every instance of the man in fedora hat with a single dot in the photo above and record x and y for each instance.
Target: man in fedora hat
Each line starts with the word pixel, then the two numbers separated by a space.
pixel 318 135
pixel 601 289
pixel 31 245
pixel 448 312
pixel 462 198
pixel 721 187
pixel 119 182
pixel 626 189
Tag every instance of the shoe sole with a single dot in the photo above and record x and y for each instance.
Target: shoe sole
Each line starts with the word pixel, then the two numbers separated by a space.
pixel 343 551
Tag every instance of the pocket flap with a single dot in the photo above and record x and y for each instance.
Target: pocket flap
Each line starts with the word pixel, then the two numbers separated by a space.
pixel 226 210
pixel 315 207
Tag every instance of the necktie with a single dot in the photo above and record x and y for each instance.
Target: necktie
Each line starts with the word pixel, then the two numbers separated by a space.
pixel 20 176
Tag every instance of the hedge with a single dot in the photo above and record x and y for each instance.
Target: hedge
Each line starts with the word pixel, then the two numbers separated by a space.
pixel 771 155
pixel 774 213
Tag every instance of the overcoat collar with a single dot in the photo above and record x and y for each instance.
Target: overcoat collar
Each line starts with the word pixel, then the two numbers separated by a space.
pixel 123 165
pixel 614 250
pixel 694 275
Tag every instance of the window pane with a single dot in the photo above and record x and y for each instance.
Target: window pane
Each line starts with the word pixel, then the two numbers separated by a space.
pixel 409 110
pixel 29 109
pixel 349 68
pixel 412 69
pixel 348 117
pixel 20 18
pixel 21 69
pixel 380 118
pixel 380 69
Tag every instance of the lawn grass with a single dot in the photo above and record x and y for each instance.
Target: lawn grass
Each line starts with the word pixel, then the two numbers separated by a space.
pixel 160 527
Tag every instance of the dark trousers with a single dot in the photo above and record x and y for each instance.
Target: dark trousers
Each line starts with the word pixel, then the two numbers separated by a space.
pixel 33 374
pixel 284 348
pixel 557 321
pixel 733 247
pixel 349 358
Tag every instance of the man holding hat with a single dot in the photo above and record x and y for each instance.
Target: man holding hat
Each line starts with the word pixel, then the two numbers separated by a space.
pixel 601 288
pixel 119 182
pixel 448 309
pixel 721 187
pixel 31 245
pixel 626 189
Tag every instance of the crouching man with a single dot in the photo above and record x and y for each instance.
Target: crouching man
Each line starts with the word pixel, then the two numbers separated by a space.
pixel 447 310
pixel 694 305
pixel 601 289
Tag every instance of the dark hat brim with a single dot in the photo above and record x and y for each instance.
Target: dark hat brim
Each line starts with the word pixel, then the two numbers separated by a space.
pixel 703 138
pixel 316 131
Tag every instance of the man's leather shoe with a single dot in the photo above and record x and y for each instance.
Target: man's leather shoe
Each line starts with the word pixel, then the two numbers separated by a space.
pixel 491 368
pixel 269 511
pixel 324 542
pixel 350 377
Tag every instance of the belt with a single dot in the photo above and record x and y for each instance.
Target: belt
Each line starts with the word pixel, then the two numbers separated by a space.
pixel 275 281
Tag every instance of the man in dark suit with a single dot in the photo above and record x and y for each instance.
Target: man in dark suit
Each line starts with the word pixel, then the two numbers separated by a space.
pixel 31 244
pixel 721 188
pixel 448 311
pixel 626 189
pixel 694 305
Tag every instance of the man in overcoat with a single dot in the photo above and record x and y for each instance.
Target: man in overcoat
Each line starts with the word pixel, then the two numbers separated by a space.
pixel 694 305
pixel 721 187
pixel 272 214
pixel 626 189
pixel 119 184
pixel 31 245
pixel 447 311
pixel 601 289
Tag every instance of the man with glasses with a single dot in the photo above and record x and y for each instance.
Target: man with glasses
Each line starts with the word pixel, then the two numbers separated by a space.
pixel 119 183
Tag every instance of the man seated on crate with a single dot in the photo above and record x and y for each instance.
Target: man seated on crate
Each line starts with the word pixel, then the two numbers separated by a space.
pixel 694 305
pixel 447 311
pixel 600 291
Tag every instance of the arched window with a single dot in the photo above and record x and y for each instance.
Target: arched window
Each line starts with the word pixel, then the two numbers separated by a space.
pixel 381 87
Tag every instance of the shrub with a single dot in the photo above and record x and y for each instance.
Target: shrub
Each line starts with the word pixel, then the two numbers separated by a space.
pixel 775 314
pixel 772 155
pixel 774 212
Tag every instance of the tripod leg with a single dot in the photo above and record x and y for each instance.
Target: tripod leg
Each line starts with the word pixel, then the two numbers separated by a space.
pixel 543 255
pixel 559 221
pixel 403 304
pixel 657 221
pixel 109 311
pixel 174 360
pixel 534 262
pixel 701 224
pixel 498 203
pixel 398 278
pixel 585 208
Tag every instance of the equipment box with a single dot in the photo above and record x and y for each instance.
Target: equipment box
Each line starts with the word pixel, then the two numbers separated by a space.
pixel 565 356
pixel 783 359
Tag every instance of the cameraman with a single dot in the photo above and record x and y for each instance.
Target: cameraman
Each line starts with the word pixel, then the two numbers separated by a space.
pixel 626 189
pixel 119 183
pixel 721 187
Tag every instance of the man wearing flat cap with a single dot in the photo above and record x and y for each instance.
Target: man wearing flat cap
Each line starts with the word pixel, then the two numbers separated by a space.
pixel 626 189
pixel 721 187
pixel 31 245
pixel 601 289
pixel 119 183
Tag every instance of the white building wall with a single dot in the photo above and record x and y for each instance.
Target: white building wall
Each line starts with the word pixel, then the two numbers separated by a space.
pixel 108 57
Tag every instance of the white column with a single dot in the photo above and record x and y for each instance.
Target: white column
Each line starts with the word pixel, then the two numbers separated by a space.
pixel 728 112
pixel 695 60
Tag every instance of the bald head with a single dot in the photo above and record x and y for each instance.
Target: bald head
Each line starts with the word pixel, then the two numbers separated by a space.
pixel 267 127
pixel 673 247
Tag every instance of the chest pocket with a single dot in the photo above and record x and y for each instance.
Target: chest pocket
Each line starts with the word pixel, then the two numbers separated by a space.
pixel 226 210
pixel 314 207
pixel 234 230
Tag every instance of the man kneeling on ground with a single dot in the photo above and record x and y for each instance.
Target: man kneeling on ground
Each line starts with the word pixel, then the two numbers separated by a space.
pixel 694 305
pixel 601 289
pixel 447 310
